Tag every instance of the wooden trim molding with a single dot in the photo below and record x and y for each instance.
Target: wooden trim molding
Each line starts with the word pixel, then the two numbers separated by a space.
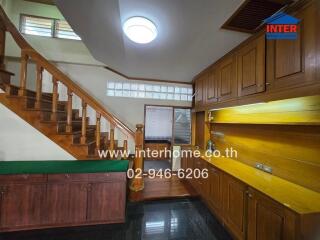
pixel 146 79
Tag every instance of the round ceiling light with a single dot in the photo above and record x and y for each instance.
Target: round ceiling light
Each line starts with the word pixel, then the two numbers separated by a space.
pixel 140 30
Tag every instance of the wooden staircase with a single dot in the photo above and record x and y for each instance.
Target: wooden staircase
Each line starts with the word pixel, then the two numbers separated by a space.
pixel 55 118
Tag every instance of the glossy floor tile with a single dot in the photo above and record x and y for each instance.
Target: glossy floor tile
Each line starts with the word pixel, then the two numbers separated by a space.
pixel 156 220
pixel 156 165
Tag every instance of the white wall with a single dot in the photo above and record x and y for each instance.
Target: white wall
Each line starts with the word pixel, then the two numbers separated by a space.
pixel 52 48
pixel 94 80
pixel 20 141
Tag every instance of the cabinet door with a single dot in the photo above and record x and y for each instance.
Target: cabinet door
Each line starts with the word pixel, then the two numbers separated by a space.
pixel 197 182
pixel 215 193
pixel 211 86
pixel 293 62
pixel 22 205
pixel 234 201
pixel 106 202
pixel 66 203
pixel 267 219
pixel 251 67
pixel 199 92
pixel 227 81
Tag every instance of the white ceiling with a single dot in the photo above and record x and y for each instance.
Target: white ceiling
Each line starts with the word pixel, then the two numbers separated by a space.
pixel 189 35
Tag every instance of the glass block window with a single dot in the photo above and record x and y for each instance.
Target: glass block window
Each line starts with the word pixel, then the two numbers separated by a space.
pixel 151 91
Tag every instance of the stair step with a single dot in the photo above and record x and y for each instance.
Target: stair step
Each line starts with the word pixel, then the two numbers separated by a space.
pixel 45 104
pixel 91 145
pixel 76 126
pixel 14 92
pixel 77 132
pixel 61 115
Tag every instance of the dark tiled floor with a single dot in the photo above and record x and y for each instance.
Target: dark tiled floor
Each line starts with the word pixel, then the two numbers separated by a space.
pixel 156 164
pixel 157 220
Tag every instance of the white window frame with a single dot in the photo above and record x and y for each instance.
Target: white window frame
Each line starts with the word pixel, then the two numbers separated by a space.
pixel 54 28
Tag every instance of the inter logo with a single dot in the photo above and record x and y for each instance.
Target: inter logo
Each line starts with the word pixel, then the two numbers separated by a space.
pixel 281 26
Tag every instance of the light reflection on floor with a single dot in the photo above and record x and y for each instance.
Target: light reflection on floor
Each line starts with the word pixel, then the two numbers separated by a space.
pixel 157 220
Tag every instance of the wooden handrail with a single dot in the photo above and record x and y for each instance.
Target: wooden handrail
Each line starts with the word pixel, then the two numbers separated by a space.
pixel 28 51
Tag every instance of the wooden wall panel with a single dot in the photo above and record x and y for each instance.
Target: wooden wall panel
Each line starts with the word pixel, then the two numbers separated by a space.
pixel 199 129
pixel 291 150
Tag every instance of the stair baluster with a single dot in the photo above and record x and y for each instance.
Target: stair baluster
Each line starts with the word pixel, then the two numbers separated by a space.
pixel 23 73
pixel 69 112
pixel 111 143
pixel 55 98
pixel 125 145
pixel 84 123
pixel 98 133
pixel 38 86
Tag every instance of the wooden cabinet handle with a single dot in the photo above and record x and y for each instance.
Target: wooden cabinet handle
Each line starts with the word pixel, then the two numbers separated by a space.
pixel 267 83
pixel 83 188
pixel 4 189
pixel 67 176
pixel 25 176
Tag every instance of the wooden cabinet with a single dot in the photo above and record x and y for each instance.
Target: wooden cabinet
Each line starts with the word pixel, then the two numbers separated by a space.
pixel 211 86
pixel 267 219
pixel 200 183
pixel 22 205
pixel 103 206
pixel 56 200
pixel 234 206
pixel 226 78
pixel 251 67
pixel 215 190
pixel 66 202
pixel 260 70
pixel 293 63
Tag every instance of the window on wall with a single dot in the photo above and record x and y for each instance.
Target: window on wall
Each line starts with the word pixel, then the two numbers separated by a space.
pixel 182 126
pixel 46 27
pixel 152 91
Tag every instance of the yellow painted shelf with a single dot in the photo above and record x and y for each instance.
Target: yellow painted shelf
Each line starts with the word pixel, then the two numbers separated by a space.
pixel 294 111
pixel 293 196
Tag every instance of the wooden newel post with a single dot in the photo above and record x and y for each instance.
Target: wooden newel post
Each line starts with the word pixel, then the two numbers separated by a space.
pixel 137 183
pixel 39 86
pixel 23 74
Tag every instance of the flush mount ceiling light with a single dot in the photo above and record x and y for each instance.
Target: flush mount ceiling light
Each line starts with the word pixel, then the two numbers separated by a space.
pixel 140 30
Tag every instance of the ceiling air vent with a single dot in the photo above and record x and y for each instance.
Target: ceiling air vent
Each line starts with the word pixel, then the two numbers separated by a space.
pixel 250 15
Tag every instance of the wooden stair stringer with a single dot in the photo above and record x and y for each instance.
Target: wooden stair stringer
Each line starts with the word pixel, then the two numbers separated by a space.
pixel 33 118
